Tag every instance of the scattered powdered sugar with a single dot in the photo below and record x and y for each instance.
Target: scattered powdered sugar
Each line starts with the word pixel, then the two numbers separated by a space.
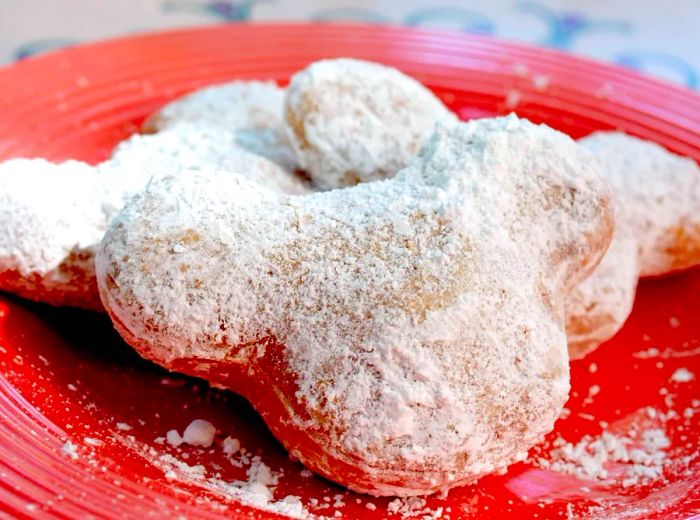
pixel 123 426
pixel 667 353
pixel 649 353
pixel 593 390
pixel 257 490
pixel 370 295
pixel 354 121
pixel 413 507
pixel 636 457
pixel 682 375
pixel 70 450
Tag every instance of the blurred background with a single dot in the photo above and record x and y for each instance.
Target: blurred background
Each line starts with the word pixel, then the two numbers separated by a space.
pixel 659 38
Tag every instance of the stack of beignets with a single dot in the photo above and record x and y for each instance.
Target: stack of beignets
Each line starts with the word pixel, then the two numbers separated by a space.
pixel 401 321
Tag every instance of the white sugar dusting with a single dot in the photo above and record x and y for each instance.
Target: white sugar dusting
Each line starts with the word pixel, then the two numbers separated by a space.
pixel 375 291
pixel 354 121
pixel 657 231
pixel 250 111
pixel 187 146
pixel 48 236
pixel 662 210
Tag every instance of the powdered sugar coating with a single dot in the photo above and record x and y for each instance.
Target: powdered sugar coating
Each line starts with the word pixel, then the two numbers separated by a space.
pixel 50 222
pixel 657 202
pixel 250 110
pixel 409 331
pixel 187 146
pixel 54 215
pixel 353 121
pixel 660 194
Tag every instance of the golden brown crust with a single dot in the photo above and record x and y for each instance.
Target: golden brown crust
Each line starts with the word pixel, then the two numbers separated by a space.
pixel 77 286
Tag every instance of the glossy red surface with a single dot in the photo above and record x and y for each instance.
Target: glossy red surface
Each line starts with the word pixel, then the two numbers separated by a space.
pixel 65 375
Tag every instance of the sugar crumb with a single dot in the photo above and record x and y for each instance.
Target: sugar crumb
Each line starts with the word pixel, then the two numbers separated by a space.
pixel 682 375
pixel 640 457
pixel 513 98
pixel 70 449
pixel 173 438
pixel 199 433
pixel 231 446
pixel 540 82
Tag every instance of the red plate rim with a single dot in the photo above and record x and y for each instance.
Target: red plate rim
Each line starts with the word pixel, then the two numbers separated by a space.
pixel 641 104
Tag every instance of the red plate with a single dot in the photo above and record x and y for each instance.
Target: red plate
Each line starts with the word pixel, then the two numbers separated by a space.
pixel 66 375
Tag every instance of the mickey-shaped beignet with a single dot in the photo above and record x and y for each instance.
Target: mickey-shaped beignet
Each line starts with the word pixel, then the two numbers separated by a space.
pixel 398 337
pixel 250 111
pixel 52 216
pixel 353 121
pixel 657 231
